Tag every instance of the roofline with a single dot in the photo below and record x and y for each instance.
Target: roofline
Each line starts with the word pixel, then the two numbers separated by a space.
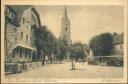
pixel 9 6
pixel 38 15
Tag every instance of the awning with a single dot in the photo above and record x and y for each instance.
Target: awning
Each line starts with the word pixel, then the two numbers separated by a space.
pixel 24 46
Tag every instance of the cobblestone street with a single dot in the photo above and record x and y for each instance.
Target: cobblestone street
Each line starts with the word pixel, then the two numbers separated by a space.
pixel 62 71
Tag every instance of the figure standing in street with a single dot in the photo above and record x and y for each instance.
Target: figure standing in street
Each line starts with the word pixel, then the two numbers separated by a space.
pixel 46 60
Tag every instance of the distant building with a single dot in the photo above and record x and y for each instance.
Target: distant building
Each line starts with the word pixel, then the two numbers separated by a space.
pixel 19 35
pixel 118 41
pixel 65 29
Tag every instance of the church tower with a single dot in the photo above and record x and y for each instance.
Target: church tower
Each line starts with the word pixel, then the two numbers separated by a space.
pixel 65 29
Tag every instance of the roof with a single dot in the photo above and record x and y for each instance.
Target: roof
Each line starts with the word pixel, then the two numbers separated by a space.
pixel 19 9
pixel 118 56
pixel 38 15
pixel 24 46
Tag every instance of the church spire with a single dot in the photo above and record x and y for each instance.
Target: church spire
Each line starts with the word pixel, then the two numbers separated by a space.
pixel 65 12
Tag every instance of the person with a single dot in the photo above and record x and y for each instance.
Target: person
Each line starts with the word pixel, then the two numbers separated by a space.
pixel 46 59
pixel 23 63
pixel 52 58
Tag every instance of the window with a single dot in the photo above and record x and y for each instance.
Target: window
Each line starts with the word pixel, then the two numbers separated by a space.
pixel 10 13
pixel 66 29
pixel 23 20
pixel 13 15
pixel 27 26
pixel 26 54
pixel 14 53
pixel 30 54
pixel 21 37
pixel 21 53
pixel 27 38
pixel 121 47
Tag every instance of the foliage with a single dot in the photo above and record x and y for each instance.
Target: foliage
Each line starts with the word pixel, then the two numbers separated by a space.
pixel 62 50
pixel 77 51
pixel 102 44
pixel 44 40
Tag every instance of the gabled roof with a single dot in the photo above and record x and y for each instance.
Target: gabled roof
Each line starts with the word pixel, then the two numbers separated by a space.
pixel 19 9
pixel 38 15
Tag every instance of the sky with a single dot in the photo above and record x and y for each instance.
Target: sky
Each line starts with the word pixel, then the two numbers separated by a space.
pixel 85 21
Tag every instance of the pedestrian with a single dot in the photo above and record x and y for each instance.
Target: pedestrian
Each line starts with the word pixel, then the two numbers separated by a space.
pixel 46 59
pixel 23 64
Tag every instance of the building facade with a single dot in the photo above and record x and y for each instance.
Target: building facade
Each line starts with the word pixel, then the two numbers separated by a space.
pixel 19 34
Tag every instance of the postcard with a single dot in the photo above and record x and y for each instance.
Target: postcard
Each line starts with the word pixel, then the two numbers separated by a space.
pixel 64 41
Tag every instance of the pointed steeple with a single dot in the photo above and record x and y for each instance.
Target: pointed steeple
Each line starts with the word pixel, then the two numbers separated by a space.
pixel 65 28
pixel 65 13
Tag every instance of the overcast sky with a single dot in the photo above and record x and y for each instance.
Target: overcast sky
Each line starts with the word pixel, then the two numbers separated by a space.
pixel 86 21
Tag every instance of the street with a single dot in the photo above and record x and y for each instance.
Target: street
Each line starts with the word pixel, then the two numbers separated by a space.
pixel 62 71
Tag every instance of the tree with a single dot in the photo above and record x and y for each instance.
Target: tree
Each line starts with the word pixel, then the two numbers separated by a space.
pixel 44 41
pixel 62 50
pixel 78 51
pixel 102 44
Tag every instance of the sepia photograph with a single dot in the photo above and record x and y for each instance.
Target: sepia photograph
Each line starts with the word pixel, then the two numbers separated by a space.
pixel 56 43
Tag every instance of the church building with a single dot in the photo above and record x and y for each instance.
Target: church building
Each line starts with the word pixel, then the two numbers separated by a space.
pixel 65 32
pixel 65 29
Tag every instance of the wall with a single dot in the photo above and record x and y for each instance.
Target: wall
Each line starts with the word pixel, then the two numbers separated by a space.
pixel 11 39
pixel 26 29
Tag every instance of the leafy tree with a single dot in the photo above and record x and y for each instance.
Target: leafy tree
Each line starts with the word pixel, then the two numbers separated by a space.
pixel 77 51
pixel 102 44
pixel 45 41
pixel 62 50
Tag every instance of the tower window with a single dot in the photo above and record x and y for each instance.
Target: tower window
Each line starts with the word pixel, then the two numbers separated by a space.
pixel 66 29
